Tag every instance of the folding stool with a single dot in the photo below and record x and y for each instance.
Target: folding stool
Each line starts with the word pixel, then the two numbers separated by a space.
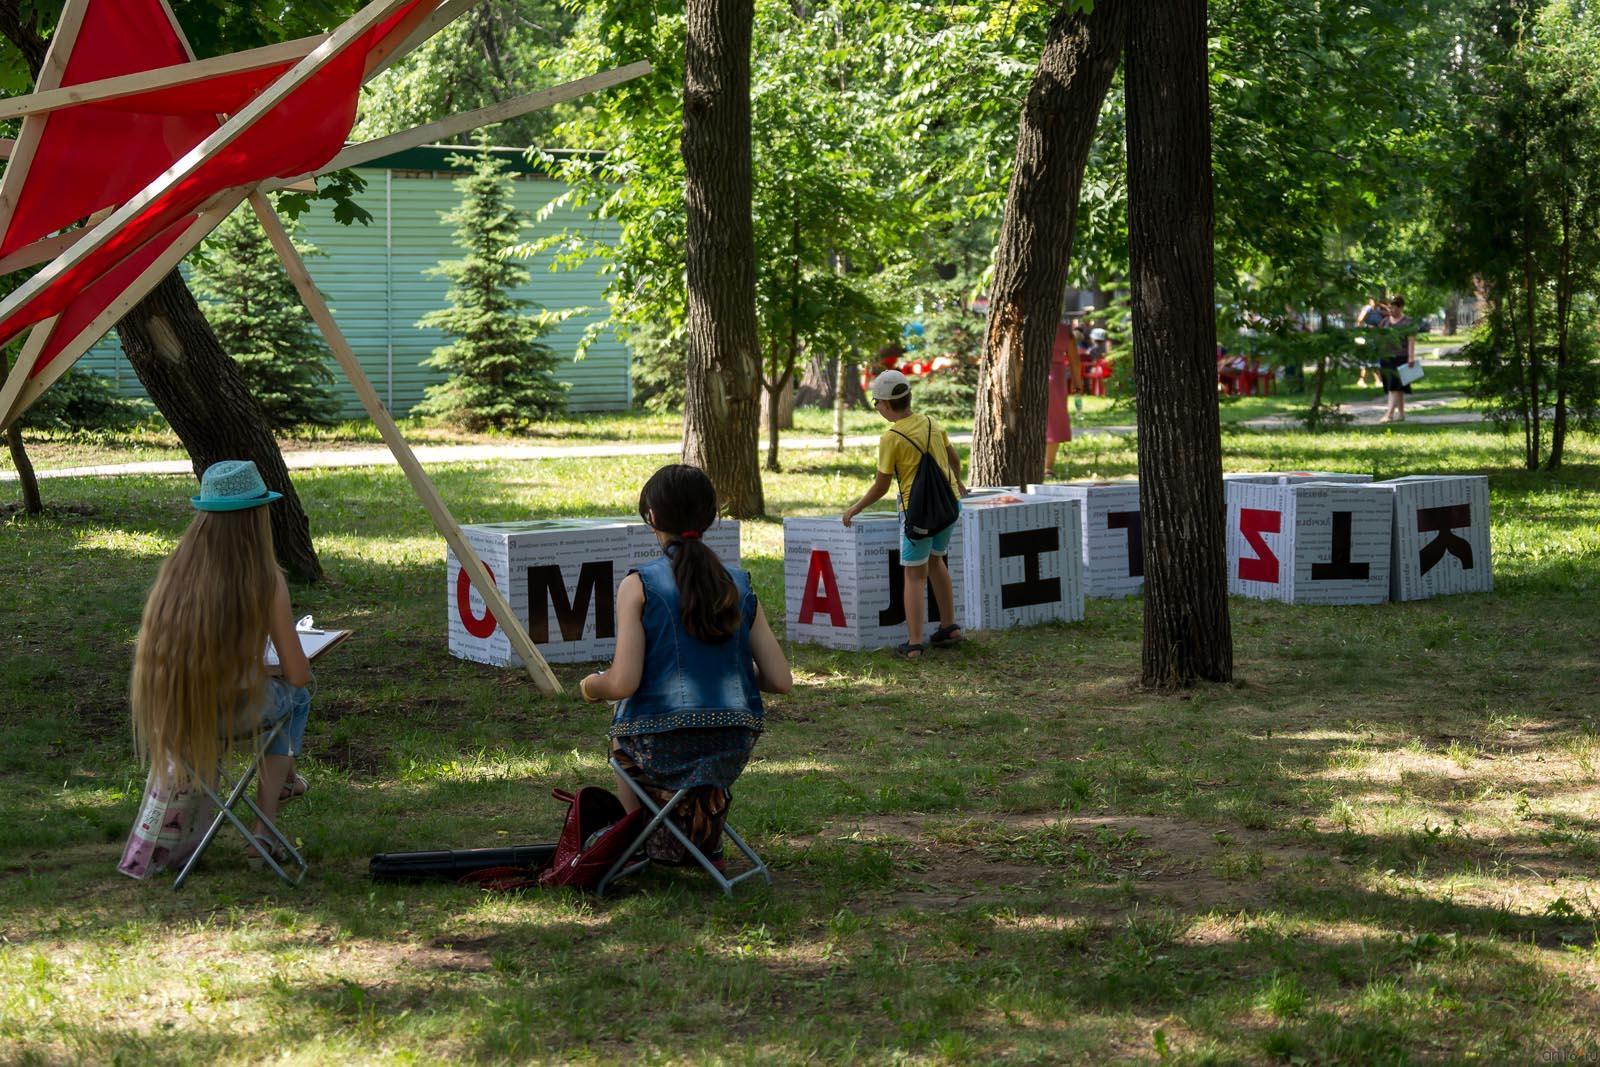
pixel 262 741
pixel 621 868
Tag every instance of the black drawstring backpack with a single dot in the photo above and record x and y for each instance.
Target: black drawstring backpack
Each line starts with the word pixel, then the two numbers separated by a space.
pixel 931 505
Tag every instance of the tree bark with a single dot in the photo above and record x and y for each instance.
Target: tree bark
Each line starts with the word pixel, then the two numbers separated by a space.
pixel 198 388
pixel 721 410
pixel 32 502
pixel 1171 219
pixel 1035 245
pixel 190 379
pixel 816 383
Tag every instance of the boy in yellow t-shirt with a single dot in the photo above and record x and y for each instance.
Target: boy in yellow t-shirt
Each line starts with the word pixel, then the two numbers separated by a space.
pixel 922 559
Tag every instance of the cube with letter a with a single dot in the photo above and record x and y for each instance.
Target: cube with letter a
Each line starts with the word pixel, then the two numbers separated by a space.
pixel 1441 536
pixel 1023 561
pixel 1308 542
pixel 561 578
pixel 1113 543
pixel 844 587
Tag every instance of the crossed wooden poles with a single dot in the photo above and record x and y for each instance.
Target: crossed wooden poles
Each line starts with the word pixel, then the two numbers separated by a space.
pixel 414 22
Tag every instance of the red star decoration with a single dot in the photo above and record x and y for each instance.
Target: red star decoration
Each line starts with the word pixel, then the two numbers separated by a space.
pixel 162 156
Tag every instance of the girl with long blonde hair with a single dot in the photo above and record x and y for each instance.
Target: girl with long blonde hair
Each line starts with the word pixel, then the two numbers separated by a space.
pixel 200 680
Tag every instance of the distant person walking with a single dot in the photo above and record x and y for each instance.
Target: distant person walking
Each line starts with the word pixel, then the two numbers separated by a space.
pixel 1400 349
pixel 1371 317
pixel 1063 377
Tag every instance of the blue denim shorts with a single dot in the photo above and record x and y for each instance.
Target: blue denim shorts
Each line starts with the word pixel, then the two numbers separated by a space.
pixel 914 553
pixel 286 702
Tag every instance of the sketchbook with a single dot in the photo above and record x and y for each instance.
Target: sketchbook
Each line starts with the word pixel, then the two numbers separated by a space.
pixel 312 642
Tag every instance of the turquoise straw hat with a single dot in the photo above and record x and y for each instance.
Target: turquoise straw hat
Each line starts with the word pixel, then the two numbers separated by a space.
pixel 232 485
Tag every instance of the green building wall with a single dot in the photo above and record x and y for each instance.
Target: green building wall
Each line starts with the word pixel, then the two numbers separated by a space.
pixel 375 279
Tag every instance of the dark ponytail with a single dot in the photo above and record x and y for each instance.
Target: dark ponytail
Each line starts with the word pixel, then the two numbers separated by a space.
pixel 680 501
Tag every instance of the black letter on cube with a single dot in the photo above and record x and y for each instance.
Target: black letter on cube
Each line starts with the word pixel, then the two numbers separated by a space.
pixel 1445 521
pixel 1129 520
pixel 1030 544
pixel 1340 566
pixel 895 613
pixel 546 587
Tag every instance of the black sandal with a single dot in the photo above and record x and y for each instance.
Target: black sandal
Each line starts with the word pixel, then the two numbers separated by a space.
pixel 945 636
pixel 909 651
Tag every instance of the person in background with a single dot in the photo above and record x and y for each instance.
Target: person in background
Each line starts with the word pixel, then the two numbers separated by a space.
pixel 900 452
pixel 1064 379
pixel 1370 318
pixel 1400 349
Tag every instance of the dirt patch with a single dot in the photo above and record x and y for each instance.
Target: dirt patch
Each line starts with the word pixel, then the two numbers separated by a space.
pixel 944 862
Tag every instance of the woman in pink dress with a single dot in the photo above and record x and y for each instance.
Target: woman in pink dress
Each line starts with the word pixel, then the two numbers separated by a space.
pixel 1058 420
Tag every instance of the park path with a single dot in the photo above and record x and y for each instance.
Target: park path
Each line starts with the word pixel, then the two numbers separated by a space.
pixel 1365 413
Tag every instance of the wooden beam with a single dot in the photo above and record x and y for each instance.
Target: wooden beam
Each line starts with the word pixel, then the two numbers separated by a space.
pixel 168 77
pixel 536 667
pixel 47 248
pixel 201 153
pixel 447 12
pixel 366 151
pixel 17 380
pixel 50 71
pixel 208 219
pixel 6 147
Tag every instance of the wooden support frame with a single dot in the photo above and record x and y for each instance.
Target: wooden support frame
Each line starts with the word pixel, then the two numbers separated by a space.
pixel 477 574
pixel 201 153
pixel 169 77
pixel 48 248
pixel 27 390
pixel 367 151
pixel 50 72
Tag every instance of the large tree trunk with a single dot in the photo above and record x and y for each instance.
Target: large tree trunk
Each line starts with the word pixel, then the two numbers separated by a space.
pixel 189 378
pixel 198 388
pixel 1035 245
pixel 1187 635
pixel 721 410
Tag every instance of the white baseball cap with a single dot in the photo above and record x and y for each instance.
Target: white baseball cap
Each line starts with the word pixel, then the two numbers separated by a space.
pixel 891 385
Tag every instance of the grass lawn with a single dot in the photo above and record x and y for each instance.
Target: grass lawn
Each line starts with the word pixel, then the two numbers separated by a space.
pixel 1379 845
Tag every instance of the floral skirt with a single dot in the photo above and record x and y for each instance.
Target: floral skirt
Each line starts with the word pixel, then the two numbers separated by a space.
pixel 704 761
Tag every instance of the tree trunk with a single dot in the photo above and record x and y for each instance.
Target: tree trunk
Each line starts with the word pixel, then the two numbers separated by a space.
pixel 816 383
pixel 777 411
pixel 1035 245
pixel 1452 315
pixel 198 388
pixel 1171 218
pixel 189 378
pixel 32 502
pixel 842 372
pixel 721 410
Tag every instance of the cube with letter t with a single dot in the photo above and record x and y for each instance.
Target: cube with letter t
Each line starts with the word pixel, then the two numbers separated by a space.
pixel 1441 536
pixel 1309 542
pixel 1023 561
pixel 1112 537
pixel 844 587
pixel 560 576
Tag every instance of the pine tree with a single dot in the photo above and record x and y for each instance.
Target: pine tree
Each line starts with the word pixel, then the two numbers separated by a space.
pixel 501 375
pixel 260 322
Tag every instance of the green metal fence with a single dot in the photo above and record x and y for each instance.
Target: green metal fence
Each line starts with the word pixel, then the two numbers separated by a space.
pixel 375 279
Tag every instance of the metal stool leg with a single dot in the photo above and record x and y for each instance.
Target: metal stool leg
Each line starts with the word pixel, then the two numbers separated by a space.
pixel 226 813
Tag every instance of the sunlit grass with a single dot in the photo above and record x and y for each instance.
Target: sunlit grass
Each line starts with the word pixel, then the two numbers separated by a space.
pixel 1379 844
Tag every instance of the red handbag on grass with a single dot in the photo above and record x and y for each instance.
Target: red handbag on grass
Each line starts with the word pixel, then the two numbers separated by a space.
pixel 579 861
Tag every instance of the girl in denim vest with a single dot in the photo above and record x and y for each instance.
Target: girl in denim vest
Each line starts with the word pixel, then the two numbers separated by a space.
pixel 694 654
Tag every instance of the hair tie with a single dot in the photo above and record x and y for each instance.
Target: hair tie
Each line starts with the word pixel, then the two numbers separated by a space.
pixel 690 535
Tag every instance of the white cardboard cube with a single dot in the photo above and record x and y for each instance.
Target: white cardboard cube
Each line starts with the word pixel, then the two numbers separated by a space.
pixel 1309 542
pixel 1290 477
pixel 569 571
pixel 843 587
pixel 1112 538
pixel 1023 559
pixel 1441 536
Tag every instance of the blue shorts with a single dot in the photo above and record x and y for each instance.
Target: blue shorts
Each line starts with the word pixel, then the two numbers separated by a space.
pixel 286 702
pixel 914 553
